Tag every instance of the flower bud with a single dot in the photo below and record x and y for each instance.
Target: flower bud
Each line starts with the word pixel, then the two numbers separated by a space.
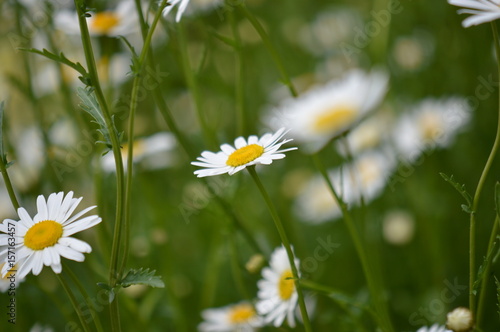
pixel 459 320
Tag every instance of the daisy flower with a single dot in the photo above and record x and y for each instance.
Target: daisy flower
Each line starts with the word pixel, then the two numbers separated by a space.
pixel 245 153
pixel 432 123
pixel 482 11
pixel 182 7
pixel 460 320
pixel 433 328
pixel 120 21
pixel 325 112
pixel 43 239
pixel 240 317
pixel 277 294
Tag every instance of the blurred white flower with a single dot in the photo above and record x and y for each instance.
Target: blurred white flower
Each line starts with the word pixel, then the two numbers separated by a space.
pixel 240 317
pixel 398 227
pixel 325 112
pixel 411 53
pixel 481 11
pixel 120 21
pixel 29 159
pixel 459 320
pixel 153 152
pixel 432 123
pixel 277 294
pixel 433 328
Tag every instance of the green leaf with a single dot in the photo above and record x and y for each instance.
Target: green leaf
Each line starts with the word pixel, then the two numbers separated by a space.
pixel 142 277
pixel 135 67
pixel 109 289
pixel 497 198
pixel 90 105
pixel 461 189
pixel 61 58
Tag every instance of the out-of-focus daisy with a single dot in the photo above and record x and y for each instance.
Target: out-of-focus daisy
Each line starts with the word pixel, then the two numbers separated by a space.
pixel 432 123
pixel 10 280
pixel 245 153
pixel 240 317
pixel 43 239
pixel 433 328
pixel 41 328
pixel 398 227
pixel 412 53
pixel 153 152
pixel 277 294
pixel 482 11
pixel 120 21
pixel 190 7
pixel 182 7
pixel 459 320
pixel 327 111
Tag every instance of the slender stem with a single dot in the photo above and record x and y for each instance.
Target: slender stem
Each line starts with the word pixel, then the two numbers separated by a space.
pixel 374 287
pixel 192 83
pixel 115 144
pixel 8 185
pixel 479 189
pixel 85 295
pixel 269 45
pixel 286 244
pixel 74 302
pixel 130 157
pixel 487 268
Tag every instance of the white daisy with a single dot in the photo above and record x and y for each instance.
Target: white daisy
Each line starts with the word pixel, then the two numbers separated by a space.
pixel 277 294
pixel 240 317
pixel 152 151
pixel 398 227
pixel 182 7
pixel 432 123
pixel 433 328
pixel 460 320
pixel 120 21
pixel 482 11
pixel 43 239
pixel 326 112
pixel 10 280
pixel 248 152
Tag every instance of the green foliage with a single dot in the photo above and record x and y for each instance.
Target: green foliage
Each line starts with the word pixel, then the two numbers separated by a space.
pixel 142 277
pixel 461 190
pixel 483 268
pixel 498 295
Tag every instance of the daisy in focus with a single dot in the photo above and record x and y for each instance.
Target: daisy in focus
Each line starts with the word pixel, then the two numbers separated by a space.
pixel 120 21
pixel 481 11
pixel 433 328
pixel 251 151
pixel 240 317
pixel 45 238
pixel 432 123
pixel 277 293
pixel 325 112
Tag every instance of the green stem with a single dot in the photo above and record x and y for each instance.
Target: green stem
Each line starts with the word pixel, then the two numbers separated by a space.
pixel 115 144
pixel 487 268
pixel 8 185
pixel 479 189
pixel 374 287
pixel 74 302
pixel 85 295
pixel 191 81
pixel 269 45
pixel 286 244
pixel 130 157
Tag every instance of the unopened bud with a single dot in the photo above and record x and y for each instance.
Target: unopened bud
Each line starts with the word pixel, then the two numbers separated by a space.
pixel 459 320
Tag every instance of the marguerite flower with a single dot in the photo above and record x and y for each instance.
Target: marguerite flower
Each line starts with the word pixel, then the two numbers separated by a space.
pixel 240 317
pixel 433 328
pixel 482 11
pixel 248 152
pixel 432 123
pixel 182 7
pixel 328 111
pixel 43 239
pixel 277 294
pixel 10 280
pixel 119 21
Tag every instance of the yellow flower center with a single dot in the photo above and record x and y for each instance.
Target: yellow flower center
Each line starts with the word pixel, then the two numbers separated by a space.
pixel 9 273
pixel 43 234
pixel 104 21
pixel 245 155
pixel 430 125
pixel 241 313
pixel 286 285
pixel 334 119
